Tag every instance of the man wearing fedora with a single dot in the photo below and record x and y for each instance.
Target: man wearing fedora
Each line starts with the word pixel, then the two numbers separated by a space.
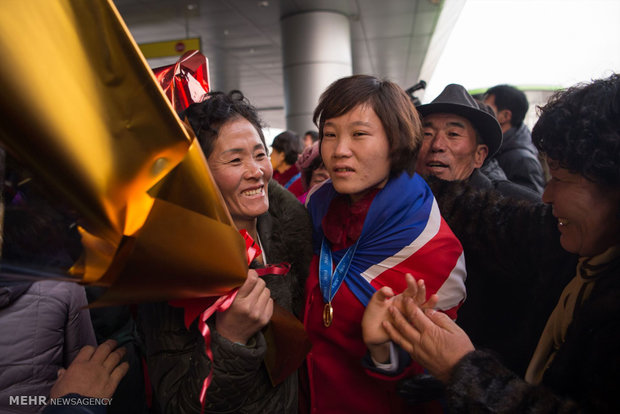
pixel 459 134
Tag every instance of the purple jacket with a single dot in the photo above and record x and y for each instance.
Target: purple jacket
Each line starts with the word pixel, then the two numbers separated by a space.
pixel 44 325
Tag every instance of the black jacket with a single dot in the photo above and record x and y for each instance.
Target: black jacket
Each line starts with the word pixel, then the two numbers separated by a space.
pixel 521 270
pixel 583 377
pixel 505 187
pixel 176 358
pixel 516 268
pixel 518 157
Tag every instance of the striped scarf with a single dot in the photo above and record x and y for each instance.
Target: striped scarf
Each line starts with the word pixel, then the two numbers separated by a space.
pixel 403 233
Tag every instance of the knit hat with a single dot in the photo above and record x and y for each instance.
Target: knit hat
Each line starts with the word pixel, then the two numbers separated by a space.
pixel 304 163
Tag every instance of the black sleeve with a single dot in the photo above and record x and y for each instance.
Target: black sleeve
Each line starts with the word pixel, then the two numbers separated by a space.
pixel 516 267
pixel 481 384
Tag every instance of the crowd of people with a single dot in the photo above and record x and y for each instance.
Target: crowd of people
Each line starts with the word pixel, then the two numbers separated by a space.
pixel 433 265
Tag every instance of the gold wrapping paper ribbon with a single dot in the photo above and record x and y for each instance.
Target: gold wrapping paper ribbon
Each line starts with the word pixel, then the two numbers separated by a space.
pixel 83 111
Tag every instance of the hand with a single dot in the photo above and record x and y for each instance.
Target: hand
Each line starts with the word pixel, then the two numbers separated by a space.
pixel 250 311
pixel 374 335
pixel 430 337
pixel 95 372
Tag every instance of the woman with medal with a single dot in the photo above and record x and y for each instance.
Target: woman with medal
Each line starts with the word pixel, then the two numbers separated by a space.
pixel 374 222
pixel 230 134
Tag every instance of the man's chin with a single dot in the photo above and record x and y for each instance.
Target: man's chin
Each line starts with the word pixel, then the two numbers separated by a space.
pixel 441 173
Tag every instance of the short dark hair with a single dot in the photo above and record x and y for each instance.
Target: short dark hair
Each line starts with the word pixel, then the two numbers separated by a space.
pixel 289 143
pixel 392 105
pixel 511 98
pixel 207 117
pixel 307 172
pixel 580 129
pixel 313 134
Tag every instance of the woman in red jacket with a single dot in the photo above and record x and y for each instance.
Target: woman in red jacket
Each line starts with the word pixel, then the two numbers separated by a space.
pixel 373 222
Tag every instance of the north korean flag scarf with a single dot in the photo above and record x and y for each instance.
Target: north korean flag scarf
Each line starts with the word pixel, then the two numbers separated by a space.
pixel 403 233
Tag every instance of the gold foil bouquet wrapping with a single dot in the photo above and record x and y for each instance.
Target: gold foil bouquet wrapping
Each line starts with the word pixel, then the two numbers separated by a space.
pixel 82 110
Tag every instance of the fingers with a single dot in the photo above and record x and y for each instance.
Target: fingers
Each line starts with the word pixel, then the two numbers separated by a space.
pixel 401 331
pixel 85 353
pixel 263 308
pixel 384 294
pixel 103 350
pixel 249 284
pixel 417 317
pixel 442 320
pixel 60 373
pixel 431 303
pixel 416 289
pixel 114 358
pixel 397 337
pixel 412 286
pixel 118 373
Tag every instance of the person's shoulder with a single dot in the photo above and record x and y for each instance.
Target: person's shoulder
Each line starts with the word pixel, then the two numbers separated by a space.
pixel 517 191
pixel 284 207
pixel 479 181
pixel 54 290
pixel 280 198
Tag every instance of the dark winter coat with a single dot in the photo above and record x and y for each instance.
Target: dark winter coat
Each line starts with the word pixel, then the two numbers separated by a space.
pixel 518 157
pixel 505 187
pixel 492 170
pixel 44 326
pixel 584 376
pixel 176 358
pixel 517 246
pixel 516 268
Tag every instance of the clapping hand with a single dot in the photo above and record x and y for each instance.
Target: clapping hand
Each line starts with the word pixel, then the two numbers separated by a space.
pixel 375 336
pixel 431 338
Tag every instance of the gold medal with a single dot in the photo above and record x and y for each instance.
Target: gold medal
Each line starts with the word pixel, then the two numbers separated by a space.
pixel 328 314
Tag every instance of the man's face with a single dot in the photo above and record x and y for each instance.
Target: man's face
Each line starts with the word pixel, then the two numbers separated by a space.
pixel 449 150
pixel 503 117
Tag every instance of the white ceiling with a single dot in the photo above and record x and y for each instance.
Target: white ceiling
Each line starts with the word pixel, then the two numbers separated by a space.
pixel 241 39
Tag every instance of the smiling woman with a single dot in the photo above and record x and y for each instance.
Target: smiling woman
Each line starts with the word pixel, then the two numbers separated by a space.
pixel 231 137
pixel 574 367
pixel 241 168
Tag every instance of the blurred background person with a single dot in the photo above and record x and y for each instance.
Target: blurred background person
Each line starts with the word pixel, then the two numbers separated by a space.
pixel 45 323
pixel 310 137
pixel 517 156
pixel 286 147
pixel 312 169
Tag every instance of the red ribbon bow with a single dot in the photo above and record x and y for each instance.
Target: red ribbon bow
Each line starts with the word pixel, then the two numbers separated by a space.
pixel 203 308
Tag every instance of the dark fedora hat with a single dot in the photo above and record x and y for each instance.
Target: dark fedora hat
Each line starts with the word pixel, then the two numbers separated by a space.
pixel 454 99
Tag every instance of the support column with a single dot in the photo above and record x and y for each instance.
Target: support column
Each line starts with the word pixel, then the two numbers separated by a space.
pixel 316 50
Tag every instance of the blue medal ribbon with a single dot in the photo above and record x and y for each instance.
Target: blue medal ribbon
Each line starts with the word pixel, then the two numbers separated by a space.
pixel 329 281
